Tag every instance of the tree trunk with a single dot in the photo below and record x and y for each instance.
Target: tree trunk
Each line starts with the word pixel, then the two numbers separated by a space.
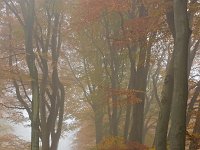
pixel 30 59
pixel 114 66
pixel 99 126
pixel 166 95
pixel 166 100
pixel 136 133
pixel 192 103
pixel 132 81
pixel 194 145
pixel 180 92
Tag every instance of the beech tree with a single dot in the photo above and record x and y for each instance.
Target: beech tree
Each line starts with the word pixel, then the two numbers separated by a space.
pixel 180 92
pixel 47 103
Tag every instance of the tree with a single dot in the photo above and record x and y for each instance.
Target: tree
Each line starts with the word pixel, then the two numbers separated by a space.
pixel 180 92
pixel 29 10
pixel 167 92
pixel 48 93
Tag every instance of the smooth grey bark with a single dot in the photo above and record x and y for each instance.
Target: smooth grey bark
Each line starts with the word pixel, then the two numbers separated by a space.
pixel 166 99
pixel 136 133
pixel 114 67
pixel 180 92
pixel 30 59
pixel 99 124
pixel 166 94
pixel 55 118
pixel 132 80
pixel 114 86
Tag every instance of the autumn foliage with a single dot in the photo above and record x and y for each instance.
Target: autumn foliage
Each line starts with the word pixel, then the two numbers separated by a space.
pixel 118 143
